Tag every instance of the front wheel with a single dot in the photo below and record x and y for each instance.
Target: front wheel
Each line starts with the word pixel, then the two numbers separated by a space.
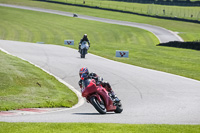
pixel 83 52
pixel 119 108
pixel 100 107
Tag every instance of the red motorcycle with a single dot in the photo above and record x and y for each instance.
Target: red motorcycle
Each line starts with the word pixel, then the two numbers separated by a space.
pixel 99 97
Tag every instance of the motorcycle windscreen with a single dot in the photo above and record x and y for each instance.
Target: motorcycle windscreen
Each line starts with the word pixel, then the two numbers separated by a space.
pixel 85 45
pixel 89 87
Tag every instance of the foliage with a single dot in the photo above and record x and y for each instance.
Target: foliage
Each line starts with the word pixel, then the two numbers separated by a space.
pixel 187 45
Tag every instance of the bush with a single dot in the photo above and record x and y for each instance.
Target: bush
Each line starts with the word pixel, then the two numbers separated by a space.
pixel 188 45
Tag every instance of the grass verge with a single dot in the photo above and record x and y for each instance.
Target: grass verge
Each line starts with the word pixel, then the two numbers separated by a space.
pixel 188 31
pixel 95 128
pixel 26 86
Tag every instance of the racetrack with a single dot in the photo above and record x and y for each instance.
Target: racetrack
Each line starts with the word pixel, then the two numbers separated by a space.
pixel 148 96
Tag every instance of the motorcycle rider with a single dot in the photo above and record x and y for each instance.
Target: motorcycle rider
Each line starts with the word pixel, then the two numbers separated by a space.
pixel 84 74
pixel 85 38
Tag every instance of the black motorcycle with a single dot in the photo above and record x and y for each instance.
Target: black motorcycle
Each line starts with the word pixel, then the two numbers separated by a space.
pixel 83 49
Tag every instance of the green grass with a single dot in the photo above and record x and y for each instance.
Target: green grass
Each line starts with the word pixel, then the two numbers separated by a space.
pixel 54 29
pixel 25 86
pixel 95 128
pixel 188 31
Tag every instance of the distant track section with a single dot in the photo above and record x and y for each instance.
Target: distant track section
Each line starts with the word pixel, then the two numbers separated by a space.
pixel 162 34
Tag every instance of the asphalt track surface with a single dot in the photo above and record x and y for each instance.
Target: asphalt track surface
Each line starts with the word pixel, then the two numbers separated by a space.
pixel 148 96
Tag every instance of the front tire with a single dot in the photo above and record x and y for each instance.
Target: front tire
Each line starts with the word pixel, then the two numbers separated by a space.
pixel 100 107
pixel 83 52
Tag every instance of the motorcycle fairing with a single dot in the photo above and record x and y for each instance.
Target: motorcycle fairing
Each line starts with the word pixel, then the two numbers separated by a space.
pixel 84 45
pixel 90 89
pixel 108 102
pixel 90 85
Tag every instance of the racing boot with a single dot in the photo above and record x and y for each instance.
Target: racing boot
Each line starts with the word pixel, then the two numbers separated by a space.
pixel 79 47
pixel 115 99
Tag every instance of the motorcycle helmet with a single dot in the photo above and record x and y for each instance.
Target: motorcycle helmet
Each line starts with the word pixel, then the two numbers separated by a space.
pixel 83 70
pixel 85 35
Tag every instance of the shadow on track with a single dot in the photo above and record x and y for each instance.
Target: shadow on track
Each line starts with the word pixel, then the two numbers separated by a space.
pixel 91 114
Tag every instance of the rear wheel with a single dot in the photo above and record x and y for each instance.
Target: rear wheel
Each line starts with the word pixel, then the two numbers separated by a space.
pixel 100 107
pixel 82 56
pixel 119 108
